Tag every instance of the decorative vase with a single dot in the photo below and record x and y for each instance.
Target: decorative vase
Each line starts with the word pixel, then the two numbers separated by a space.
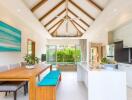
pixel 110 66
pixel 30 66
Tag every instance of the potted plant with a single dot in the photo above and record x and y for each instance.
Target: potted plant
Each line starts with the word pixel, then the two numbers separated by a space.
pixel 107 63
pixel 104 61
pixel 31 61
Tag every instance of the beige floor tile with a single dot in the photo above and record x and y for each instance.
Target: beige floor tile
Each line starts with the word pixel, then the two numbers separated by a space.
pixel 68 89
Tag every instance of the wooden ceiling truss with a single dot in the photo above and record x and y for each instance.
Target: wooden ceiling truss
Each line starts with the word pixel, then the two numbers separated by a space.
pixel 55 18
pixel 53 9
pixel 95 4
pixel 38 5
pixel 58 26
pixel 88 15
pixel 80 18
pixel 76 28
pixel 55 24
pixel 59 23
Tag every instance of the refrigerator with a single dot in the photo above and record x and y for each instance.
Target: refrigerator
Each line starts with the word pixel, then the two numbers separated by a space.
pixel 110 51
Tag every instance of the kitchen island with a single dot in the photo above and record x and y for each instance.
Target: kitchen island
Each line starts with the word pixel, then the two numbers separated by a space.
pixel 103 84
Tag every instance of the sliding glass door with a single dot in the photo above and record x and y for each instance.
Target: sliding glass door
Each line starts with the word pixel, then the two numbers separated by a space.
pixel 63 54
pixel 51 54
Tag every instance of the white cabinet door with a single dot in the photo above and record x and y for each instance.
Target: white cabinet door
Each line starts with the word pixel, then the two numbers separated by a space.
pixel 128 69
pixel 122 67
pixel 79 73
pixel 86 78
pixel 129 76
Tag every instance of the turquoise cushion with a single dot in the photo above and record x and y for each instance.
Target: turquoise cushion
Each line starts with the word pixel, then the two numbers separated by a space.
pixel 53 74
pixel 51 79
pixel 48 82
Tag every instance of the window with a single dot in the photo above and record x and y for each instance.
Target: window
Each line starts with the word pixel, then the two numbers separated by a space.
pixel 30 47
pixel 63 54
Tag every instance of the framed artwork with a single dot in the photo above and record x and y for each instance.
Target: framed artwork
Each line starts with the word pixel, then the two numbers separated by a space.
pixel 10 38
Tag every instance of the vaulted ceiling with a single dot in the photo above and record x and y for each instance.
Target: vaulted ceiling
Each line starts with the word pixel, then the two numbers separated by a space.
pixel 53 14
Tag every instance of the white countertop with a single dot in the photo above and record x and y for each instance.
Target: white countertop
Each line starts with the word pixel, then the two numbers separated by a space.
pixel 103 84
pixel 87 67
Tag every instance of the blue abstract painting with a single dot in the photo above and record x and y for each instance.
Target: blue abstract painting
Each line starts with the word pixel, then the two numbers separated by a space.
pixel 10 38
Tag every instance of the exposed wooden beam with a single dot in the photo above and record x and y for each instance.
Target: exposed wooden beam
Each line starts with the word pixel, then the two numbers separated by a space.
pixel 57 6
pixel 95 4
pixel 81 10
pixel 77 24
pixel 58 26
pixel 55 24
pixel 78 17
pixel 38 5
pixel 55 18
pixel 76 27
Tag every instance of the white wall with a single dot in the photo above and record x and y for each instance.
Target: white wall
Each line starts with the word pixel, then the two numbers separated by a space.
pixel 15 13
pixel 99 37
pixel 124 33
pixel 63 41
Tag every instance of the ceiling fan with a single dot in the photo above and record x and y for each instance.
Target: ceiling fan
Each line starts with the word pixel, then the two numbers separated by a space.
pixel 66 18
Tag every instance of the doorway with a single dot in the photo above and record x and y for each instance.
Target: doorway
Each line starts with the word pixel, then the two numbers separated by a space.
pixel 94 56
pixel 65 57
pixel 31 47
pixel 97 52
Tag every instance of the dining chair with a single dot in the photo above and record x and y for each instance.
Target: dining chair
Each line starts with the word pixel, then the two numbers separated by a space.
pixel 17 65
pixel 23 64
pixel 2 69
pixel 11 86
pixel 12 66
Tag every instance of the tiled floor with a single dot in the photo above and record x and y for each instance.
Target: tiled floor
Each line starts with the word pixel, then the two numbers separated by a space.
pixel 68 89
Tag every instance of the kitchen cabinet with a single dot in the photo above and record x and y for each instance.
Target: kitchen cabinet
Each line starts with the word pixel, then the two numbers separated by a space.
pixel 128 69
pixel 82 74
pixel 98 81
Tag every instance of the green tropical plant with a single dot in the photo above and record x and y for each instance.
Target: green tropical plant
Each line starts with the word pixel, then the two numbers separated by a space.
pixel 107 61
pixel 31 60
pixel 104 61
pixel 68 55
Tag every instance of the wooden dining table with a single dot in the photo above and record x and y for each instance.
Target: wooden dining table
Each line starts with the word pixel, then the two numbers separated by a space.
pixel 24 74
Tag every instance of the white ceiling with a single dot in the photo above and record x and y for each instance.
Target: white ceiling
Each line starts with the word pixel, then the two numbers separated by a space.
pixel 84 4
pixel 21 13
pixel 115 14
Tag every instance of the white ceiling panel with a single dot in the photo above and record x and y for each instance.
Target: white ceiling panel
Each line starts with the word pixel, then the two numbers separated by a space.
pixel 102 3
pixel 78 21
pixel 45 8
pixel 31 3
pixel 62 30
pixel 88 7
pixel 79 13
pixel 54 14
pixel 85 5
pixel 55 21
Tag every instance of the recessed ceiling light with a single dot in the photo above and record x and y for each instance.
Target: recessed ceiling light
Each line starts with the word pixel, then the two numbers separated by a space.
pixel 18 10
pixel 115 10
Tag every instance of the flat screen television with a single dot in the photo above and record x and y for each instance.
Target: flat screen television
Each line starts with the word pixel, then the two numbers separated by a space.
pixel 10 38
pixel 43 57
